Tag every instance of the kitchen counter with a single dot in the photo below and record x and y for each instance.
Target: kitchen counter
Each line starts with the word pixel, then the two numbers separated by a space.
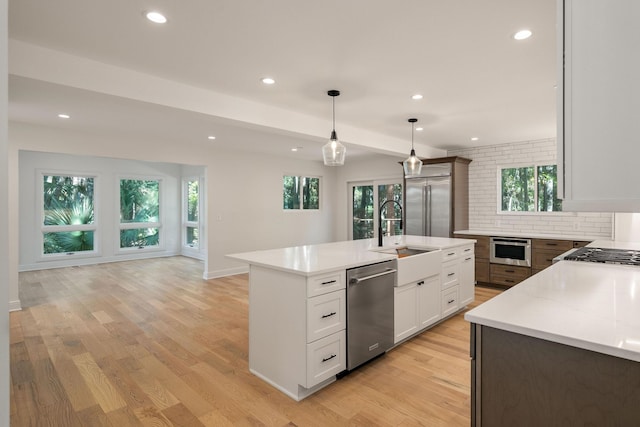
pixel 318 259
pixel 532 235
pixel 586 305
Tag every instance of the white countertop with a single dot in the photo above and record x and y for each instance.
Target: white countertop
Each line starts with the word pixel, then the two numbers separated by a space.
pixel 587 305
pixel 322 258
pixel 532 235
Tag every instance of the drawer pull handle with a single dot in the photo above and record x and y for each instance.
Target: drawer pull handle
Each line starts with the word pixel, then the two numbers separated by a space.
pixel 329 282
pixel 467 250
pixel 450 274
pixel 333 313
pixel 451 301
pixel 549 260
pixel 420 283
pixel 468 259
pixel 452 253
pixel 509 271
pixel 508 280
pixel 324 359
pixel 552 244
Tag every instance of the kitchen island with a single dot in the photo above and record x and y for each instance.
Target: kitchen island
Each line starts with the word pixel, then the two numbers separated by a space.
pixel 297 302
pixel 560 348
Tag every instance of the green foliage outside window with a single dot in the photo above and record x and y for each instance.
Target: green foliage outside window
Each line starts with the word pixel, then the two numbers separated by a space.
pixel 362 212
pixel 300 192
pixel 67 203
pixel 391 213
pixel 530 189
pixel 139 203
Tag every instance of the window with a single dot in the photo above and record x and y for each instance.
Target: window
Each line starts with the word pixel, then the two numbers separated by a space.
pixel 68 221
pixel 366 199
pixel 139 213
pixel 191 229
pixel 300 192
pixel 529 189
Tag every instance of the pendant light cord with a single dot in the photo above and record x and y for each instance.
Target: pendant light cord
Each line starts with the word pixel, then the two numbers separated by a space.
pixel 333 98
pixel 412 126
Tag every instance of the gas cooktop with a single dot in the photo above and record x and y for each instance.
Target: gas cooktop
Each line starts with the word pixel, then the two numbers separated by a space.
pixel 605 255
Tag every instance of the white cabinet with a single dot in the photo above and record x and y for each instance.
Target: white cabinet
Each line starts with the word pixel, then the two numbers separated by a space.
pixel 405 311
pixel 428 303
pixel 467 278
pixel 416 306
pixel 297 329
pixel 598 106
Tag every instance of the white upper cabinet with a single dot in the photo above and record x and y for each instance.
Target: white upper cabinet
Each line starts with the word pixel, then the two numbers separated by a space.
pixel 599 104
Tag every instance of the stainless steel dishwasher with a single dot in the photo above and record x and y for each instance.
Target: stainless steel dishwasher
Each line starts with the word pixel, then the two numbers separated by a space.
pixel 370 311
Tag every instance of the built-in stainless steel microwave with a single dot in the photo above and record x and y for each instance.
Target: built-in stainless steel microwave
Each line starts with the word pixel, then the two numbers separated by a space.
pixel 510 251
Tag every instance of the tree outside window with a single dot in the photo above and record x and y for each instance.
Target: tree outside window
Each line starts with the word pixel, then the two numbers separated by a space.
pixel 300 192
pixel 68 214
pixel 529 189
pixel 139 213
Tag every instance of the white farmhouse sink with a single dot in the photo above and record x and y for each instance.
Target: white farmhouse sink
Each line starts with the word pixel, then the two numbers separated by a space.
pixel 415 263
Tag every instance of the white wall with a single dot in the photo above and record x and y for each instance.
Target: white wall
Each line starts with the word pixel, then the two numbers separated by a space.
pixel 6 268
pixel 244 204
pixel 483 193
pixel 107 171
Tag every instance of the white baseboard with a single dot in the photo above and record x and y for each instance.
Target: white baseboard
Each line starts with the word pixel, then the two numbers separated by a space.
pixel 15 305
pixel 224 273
pixel 45 265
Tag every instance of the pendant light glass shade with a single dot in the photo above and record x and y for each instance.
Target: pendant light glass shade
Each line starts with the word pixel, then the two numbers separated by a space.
pixel 413 165
pixel 333 151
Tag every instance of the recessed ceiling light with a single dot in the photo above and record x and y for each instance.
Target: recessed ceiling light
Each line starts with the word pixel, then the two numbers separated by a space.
pixel 419 129
pixel 268 81
pixel 474 138
pixel 211 137
pixel 156 17
pixel 416 96
pixel 296 148
pixel 522 34
pixel 64 116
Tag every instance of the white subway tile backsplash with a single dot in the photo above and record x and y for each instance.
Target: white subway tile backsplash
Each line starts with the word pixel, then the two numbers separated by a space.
pixel 483 193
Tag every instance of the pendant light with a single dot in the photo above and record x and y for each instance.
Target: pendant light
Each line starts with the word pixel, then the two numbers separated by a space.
pixel 413 165
pixel 333 151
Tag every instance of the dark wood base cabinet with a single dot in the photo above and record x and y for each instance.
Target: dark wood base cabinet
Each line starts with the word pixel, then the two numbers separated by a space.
pixel 523 381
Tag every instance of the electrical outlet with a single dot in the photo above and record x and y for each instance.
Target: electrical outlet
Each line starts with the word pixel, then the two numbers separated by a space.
pixel 219 218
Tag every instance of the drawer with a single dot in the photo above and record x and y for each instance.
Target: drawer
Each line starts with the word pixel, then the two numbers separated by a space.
pixel 448 254
pixel 508 275
pixel 322 284
pixel 482 246
pixel 466 251
pixel 449 301
pixel 542 259
pixel 326 314
pixel 450 273
pixel 559 245
pixel 326 358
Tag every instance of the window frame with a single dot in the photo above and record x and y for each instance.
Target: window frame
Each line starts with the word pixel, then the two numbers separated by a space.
pixel 301 177
pixel 535 167
pixel 94 227
pixel 185 214
pixel 376 183
pixel 119 226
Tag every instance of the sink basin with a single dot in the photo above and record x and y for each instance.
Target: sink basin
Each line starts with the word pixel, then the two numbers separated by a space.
pixel 403 251
pixel 414 263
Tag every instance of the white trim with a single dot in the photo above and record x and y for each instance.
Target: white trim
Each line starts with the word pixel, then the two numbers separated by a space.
pixel 225 272
pixel 320 193
pixel 535 167
pixel 15 305
pixel 134 225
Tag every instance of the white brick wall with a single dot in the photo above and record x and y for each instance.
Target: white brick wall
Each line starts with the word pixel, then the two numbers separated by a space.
pixel 483 193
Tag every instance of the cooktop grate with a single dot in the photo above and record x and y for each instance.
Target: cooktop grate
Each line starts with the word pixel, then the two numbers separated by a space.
pixel 605 255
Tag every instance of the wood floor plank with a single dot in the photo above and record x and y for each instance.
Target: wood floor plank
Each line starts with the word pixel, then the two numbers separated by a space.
pixel 103 391
pixel 150 343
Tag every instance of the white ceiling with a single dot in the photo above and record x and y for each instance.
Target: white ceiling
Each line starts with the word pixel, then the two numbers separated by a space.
pixel 459 54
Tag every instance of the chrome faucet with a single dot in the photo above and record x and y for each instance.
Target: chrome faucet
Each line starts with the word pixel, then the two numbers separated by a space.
pixel 380 219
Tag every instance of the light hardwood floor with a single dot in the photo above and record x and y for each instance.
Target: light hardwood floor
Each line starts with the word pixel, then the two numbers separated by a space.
pixel 150 343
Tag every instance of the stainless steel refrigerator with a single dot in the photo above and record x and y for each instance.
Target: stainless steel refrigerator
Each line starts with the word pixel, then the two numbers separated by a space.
pixel 428 206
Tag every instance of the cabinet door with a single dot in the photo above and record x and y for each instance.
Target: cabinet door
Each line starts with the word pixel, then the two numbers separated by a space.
pixel 598 107
pixel 405 312
pixel 450 301
pixel 429 301
pixel 467 280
